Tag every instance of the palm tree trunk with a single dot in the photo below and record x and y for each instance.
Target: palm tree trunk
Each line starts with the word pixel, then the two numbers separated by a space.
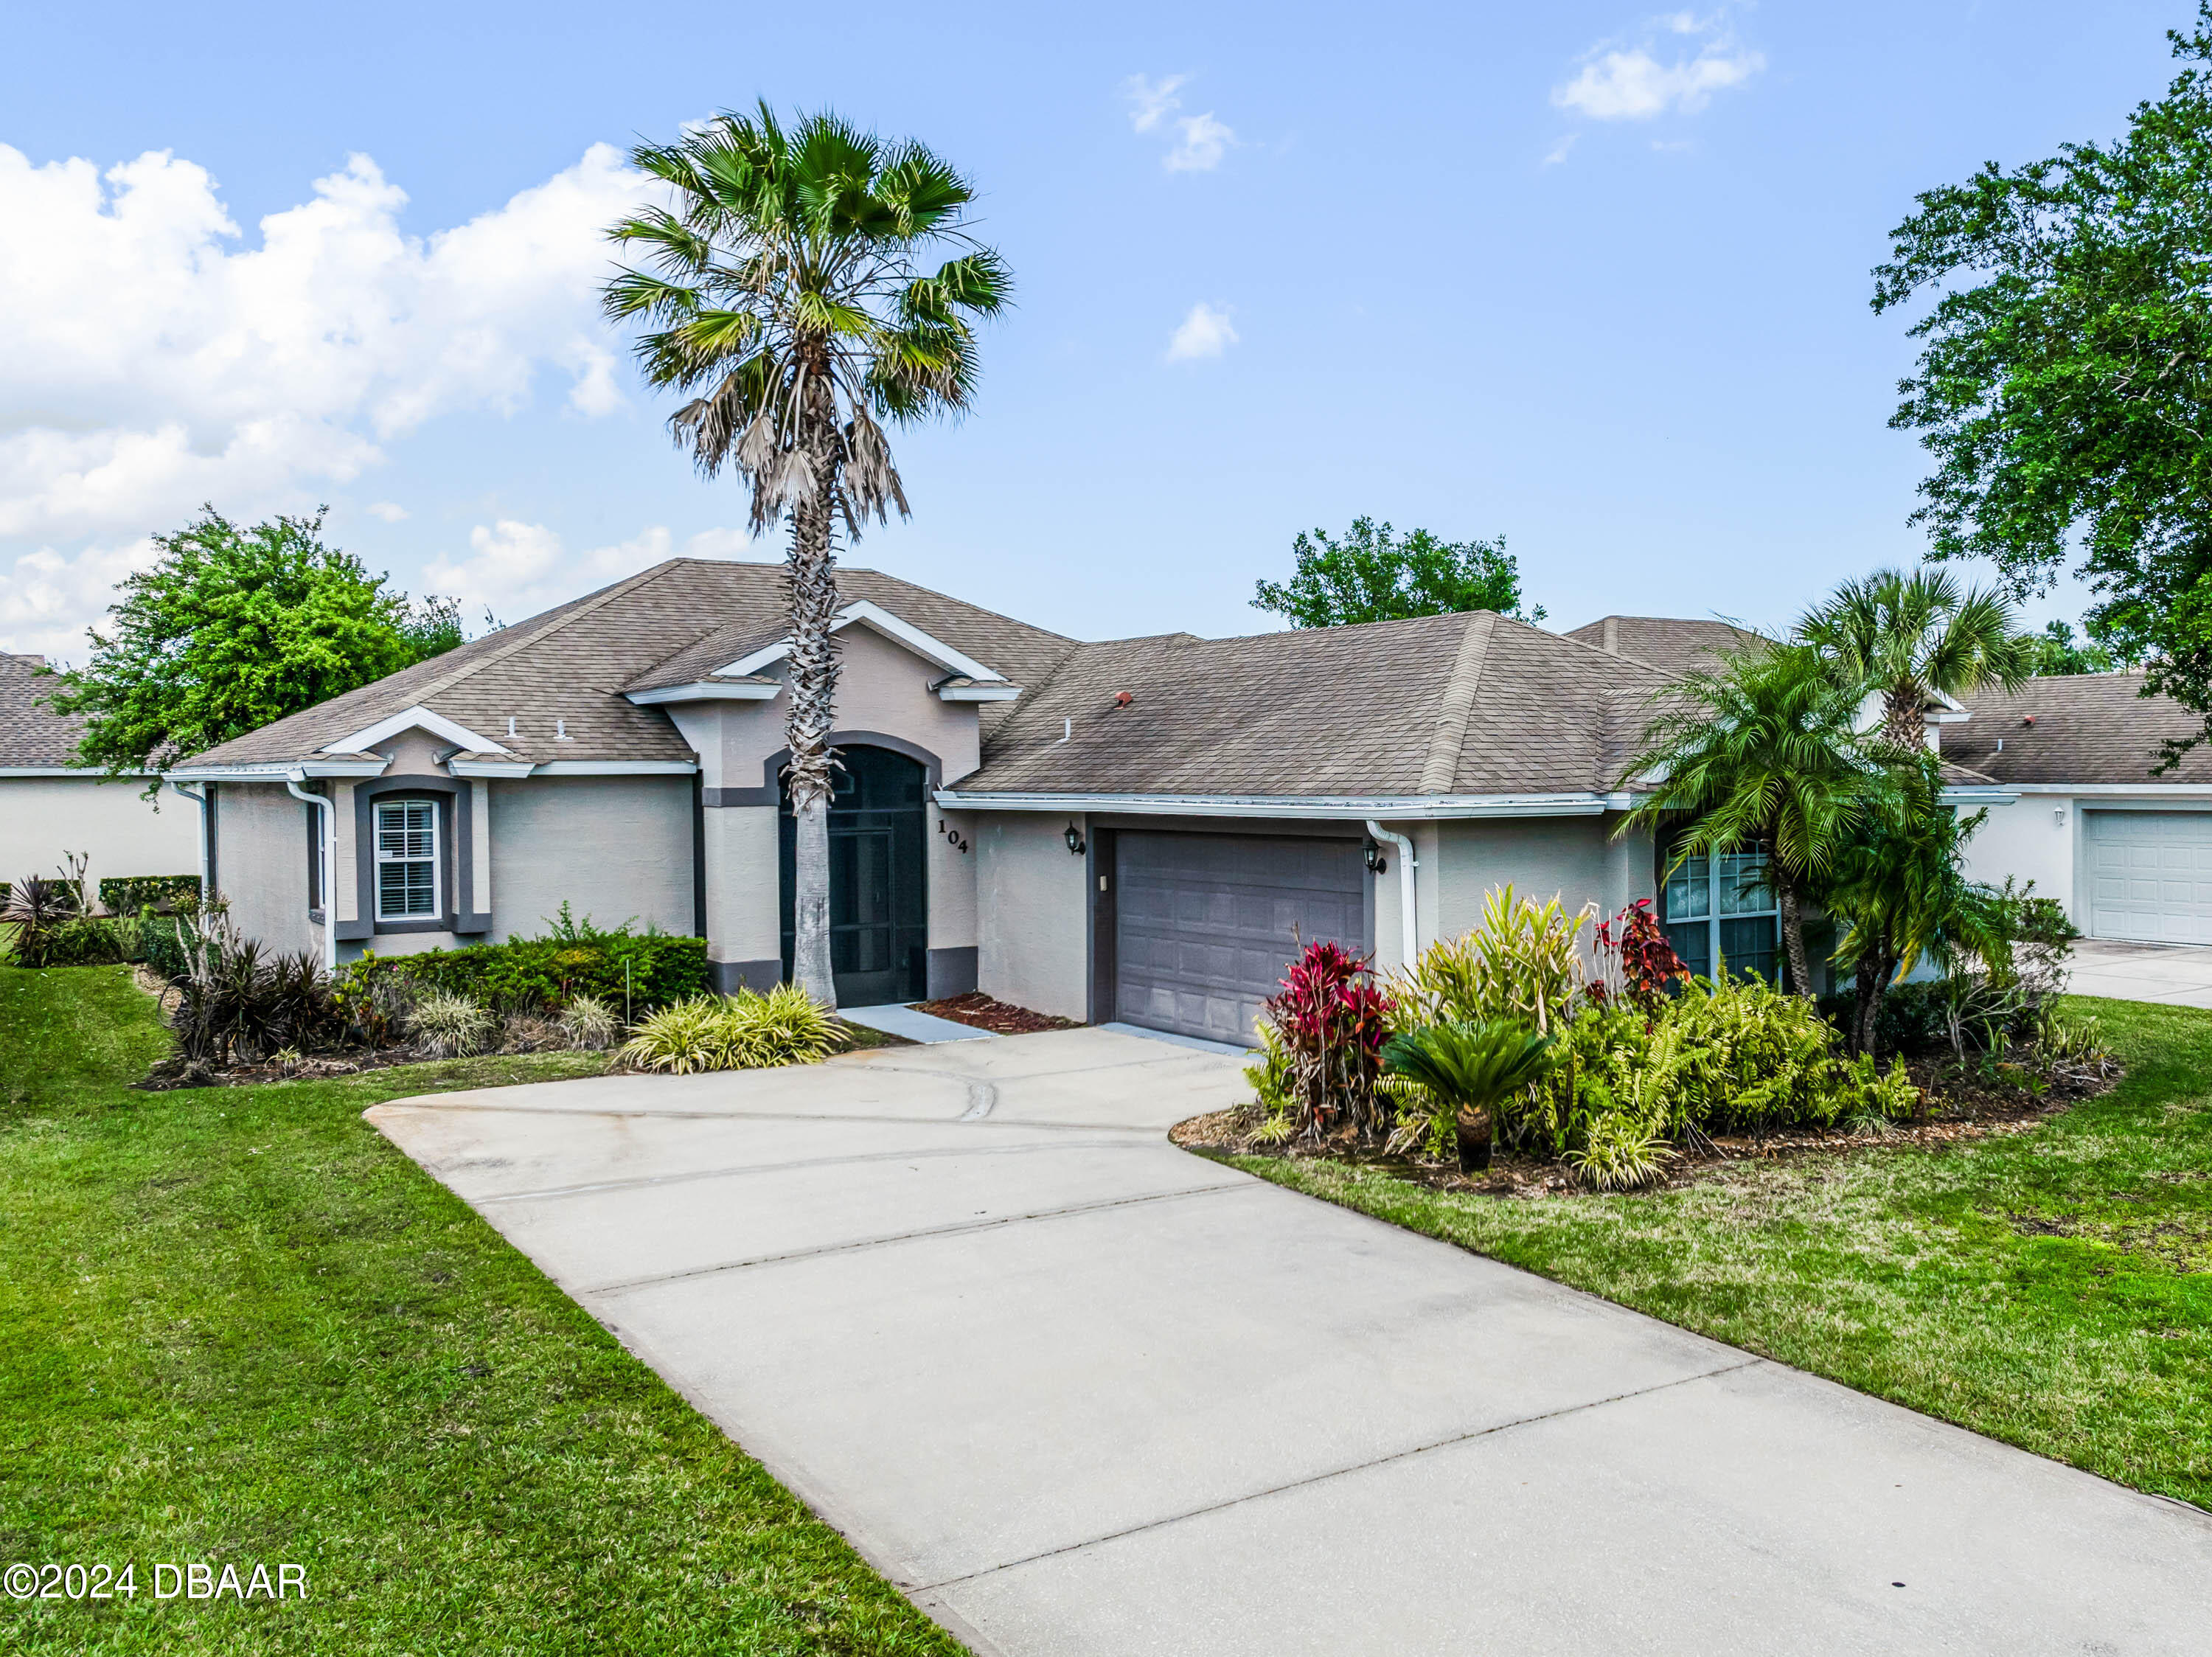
pixel 811 577
pixel 1904 724
pixel 1793 938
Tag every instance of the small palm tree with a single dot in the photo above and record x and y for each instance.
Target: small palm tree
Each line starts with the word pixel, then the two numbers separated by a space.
pixel 787 291
pixel 1470 1069
pixel 1762 750
pixel 1908 638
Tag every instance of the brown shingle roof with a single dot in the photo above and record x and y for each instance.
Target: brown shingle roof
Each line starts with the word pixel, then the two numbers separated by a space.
pixel 570 665
pixel 1470 703
pixel 31 733
pixel 1673 644
pixel 2087 728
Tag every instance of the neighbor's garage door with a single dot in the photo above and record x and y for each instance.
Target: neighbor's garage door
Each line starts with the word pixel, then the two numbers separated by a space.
pixel 2150 875
pixel 1204 923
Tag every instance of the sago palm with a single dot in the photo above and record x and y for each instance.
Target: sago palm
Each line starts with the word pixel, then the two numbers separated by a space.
pixel 1908 638
pixel 789 288
pixel 1761 750
pixel 1469 1069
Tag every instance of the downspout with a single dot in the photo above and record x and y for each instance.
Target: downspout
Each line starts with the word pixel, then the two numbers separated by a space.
pixel 206 874
pixel 326 840
pixel 1407 864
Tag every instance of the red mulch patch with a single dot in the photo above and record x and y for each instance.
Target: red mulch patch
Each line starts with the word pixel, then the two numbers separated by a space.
pixel 1000 1018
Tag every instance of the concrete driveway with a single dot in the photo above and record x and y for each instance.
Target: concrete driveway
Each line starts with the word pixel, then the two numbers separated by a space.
pixel 2179 975
pixel 1077 1392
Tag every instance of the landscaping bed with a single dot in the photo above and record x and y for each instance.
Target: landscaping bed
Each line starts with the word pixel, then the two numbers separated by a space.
pixel 1000 1018
pixel 243 1327
pixel 1957 1105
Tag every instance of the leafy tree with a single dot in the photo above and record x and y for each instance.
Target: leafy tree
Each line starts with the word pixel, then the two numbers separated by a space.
pixel 1762 749
pixel 1370 576
pixel 231 627
pixel 2056 652
pixel 1908 638
pixel 787 289
pixel 2065 382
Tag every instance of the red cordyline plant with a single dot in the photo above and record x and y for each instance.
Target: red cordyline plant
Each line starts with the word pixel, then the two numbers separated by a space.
pixel 1636 958
pixel 1333 1022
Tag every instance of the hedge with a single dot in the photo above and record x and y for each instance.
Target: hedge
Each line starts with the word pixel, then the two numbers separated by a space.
pixel 126 894
pixel 542 974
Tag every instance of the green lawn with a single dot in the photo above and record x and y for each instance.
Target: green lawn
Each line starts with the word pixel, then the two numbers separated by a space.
pixel 240 1327
pixel 2052 1289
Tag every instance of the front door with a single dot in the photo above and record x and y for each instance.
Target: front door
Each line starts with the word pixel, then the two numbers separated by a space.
pixel 879 888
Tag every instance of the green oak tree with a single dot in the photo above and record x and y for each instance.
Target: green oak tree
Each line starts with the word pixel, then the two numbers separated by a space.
pixel 1371 574
pixel 789 289
pixel 2064 383
pixel 232 627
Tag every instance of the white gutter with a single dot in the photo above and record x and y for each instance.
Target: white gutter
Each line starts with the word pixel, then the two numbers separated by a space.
pixel 326 853
pixel 199 799
pixel 1409 934
pixel 276 770
pixel 1357 808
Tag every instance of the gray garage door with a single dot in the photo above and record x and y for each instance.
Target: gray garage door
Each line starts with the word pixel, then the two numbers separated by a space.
pixel 1204 923
pixel 2150 875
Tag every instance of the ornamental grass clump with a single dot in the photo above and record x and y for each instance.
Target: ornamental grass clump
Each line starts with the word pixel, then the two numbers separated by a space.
pixel 447 1026
pixel 744 1031
pixel 589 1025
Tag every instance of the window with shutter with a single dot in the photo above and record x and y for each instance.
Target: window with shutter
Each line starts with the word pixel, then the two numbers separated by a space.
pixel 406 860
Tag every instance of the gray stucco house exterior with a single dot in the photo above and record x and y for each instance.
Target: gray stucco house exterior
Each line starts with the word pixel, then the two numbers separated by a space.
pixel 1139 829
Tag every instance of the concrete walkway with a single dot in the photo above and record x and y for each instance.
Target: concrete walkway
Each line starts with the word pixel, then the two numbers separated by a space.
pixel 1079 1392
pixel 2179 975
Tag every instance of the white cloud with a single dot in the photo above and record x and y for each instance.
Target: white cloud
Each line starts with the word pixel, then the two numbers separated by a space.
pixel 1561 151
pixel 1201 140
pixel 153 357
pixel 1151 101
pixel 390 511
pixel 1626 80
pixel 1205 332
pixel 516 569
pixel 46 600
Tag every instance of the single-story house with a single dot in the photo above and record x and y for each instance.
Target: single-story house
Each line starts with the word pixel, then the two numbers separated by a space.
pixel 2125 849
pixel 1139 829
pixel 50 806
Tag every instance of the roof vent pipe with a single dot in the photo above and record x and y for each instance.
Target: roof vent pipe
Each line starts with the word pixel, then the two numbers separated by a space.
pixel 1408 936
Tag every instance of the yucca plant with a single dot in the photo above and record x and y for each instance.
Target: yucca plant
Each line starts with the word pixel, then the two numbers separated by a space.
pixel 1467 1069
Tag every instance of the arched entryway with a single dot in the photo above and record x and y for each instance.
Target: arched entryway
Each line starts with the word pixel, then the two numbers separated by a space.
pixel 878 886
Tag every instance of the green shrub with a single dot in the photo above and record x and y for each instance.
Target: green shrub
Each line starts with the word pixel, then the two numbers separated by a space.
pixel 1524 962
pixel 1621 1152
pixel 543 975
pixel 742 1032
pixel 1754 1057
pixel 90 940
pixel 126 894
pixel 449 1026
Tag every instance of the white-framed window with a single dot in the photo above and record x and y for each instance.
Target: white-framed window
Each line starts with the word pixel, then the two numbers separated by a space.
pixel 406 860
pixel 1723 908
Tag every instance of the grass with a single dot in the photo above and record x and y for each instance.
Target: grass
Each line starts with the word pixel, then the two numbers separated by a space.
pixel 2052 1289
pixel 241 1327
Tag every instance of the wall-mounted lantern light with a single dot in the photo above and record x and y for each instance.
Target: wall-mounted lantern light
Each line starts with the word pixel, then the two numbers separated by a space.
pixel 1076 847
pixel 1377 863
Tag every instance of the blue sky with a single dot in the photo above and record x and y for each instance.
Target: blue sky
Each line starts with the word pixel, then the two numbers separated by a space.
pixel 1590 276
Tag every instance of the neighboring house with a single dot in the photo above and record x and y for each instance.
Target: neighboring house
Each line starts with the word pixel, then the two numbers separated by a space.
pixel 1673 644
pixel 50 806
pixel 1142 829
pixel 2127 851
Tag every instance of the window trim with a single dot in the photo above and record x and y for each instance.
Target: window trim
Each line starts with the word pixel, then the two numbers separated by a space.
pixel 381 859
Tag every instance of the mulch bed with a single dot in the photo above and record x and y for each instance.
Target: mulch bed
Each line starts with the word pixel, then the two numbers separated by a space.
pixel 1000 1018
pixel 1956 1108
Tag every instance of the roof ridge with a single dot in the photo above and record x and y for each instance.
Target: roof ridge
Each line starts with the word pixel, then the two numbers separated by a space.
pixel 584 608
pixel 1441 765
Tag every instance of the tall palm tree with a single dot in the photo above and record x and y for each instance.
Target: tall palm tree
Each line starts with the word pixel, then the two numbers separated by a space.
pixel 787 289
pixel 1761 750
pixel 1908 638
